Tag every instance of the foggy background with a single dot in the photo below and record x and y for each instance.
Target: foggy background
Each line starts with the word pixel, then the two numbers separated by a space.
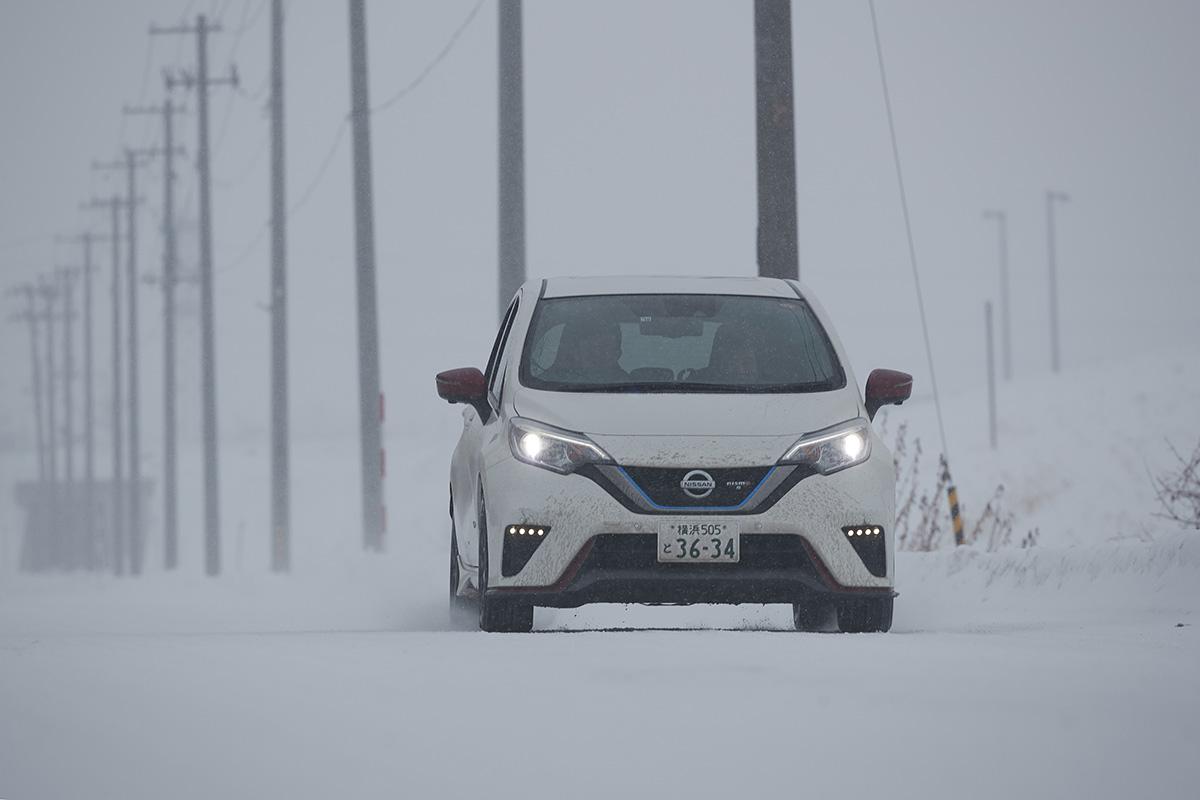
pixel 639 125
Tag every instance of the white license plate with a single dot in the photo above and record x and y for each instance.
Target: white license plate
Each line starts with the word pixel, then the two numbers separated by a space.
pixel 698 542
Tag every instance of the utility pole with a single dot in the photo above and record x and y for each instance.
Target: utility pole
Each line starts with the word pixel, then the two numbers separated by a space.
pixel 130 164
pixel 135 448
pixel 778 249
pixel 512 152
pixel 33 555
pixel 49 293
pixel 370 400
pixel 1053 197
pixel 89 549
pixel 1005 312
pixel 69 510
pixel 169 280
pixel 66 277
pixel 118 438
pixel 280 457
pixel 208 359
pixel 89 421
pixel 31 316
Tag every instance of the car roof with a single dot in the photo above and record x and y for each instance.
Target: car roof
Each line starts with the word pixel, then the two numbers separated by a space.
pixel 667 284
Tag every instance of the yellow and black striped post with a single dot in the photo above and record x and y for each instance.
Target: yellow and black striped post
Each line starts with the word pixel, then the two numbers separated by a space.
pixel 952 493
pixel 952 496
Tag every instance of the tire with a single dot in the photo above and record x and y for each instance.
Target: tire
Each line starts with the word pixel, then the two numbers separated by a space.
pixel 868 615
pixel 459 606
pixel 498 615
pixel 813 614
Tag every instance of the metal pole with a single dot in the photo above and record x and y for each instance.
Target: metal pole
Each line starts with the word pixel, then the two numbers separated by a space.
pixel 65 278
pixel 991 373
pixel 118 436
pixel 170 257
pixel 1005 317
pixel 52 431
pixel 69 506
pixel 35 356
pixel 33 553
pixel 778 249
pixel 48 312
pixel 89 421
pixel 1052 257
pixel 135 452
pixel 511 152
pixel 212 523
pixel 170 276
pixel 369 401
pixel 280 466
pixel 1005 300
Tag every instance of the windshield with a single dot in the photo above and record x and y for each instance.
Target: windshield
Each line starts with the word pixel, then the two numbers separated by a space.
pixel 678 343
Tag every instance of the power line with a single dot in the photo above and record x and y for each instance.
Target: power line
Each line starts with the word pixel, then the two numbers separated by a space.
pixel 145 81
pixel 432 65
pixel 333 148
pixel 230 99
pixel 246 171
pixel 146 86
pixel 247 23
pixel 327 160
pixel 912 249
pixel 309 190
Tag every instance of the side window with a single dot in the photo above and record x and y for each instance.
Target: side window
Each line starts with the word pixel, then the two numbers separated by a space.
pixel 496 359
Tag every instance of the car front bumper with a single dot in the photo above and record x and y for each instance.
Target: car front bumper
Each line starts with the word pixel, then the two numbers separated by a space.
pixel 599 550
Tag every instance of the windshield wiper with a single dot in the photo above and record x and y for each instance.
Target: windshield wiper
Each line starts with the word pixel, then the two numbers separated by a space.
pixel 685 387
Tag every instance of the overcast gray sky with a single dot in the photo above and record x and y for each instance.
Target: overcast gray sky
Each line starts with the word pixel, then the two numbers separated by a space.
pixel 640 148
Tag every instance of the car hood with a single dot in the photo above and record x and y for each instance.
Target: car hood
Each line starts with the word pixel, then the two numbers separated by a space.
pixel 671 429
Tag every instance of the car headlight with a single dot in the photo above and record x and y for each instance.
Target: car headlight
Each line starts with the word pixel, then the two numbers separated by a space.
pixel 832 449
pixel 552 448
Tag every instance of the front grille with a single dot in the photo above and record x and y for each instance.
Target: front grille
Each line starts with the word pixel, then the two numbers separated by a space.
pixel 663 486
pixel 760 551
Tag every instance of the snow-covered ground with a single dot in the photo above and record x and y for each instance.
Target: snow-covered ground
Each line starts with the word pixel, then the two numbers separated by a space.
pixel 1068 669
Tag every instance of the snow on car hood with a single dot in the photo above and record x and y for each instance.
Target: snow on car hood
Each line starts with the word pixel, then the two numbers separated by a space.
pixel 682 429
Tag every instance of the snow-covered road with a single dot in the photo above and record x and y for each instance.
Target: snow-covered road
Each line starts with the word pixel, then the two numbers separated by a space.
pixel 1007 676
pixel 1071 669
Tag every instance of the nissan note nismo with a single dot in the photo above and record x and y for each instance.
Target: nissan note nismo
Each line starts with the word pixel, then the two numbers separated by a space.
pixel 671 441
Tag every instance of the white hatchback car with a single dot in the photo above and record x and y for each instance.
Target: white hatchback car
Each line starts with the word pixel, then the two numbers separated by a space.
pixel 671 441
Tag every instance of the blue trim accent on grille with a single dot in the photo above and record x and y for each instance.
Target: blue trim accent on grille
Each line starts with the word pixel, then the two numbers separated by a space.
pixel 657 507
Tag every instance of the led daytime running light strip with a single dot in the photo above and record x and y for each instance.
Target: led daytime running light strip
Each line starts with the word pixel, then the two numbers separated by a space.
pixel 526 530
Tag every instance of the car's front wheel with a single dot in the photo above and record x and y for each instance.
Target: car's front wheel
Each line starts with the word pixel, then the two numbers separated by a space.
pixel 498 615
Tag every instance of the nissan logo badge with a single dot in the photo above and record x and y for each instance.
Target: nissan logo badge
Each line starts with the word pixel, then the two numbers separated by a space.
pixel 697 484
